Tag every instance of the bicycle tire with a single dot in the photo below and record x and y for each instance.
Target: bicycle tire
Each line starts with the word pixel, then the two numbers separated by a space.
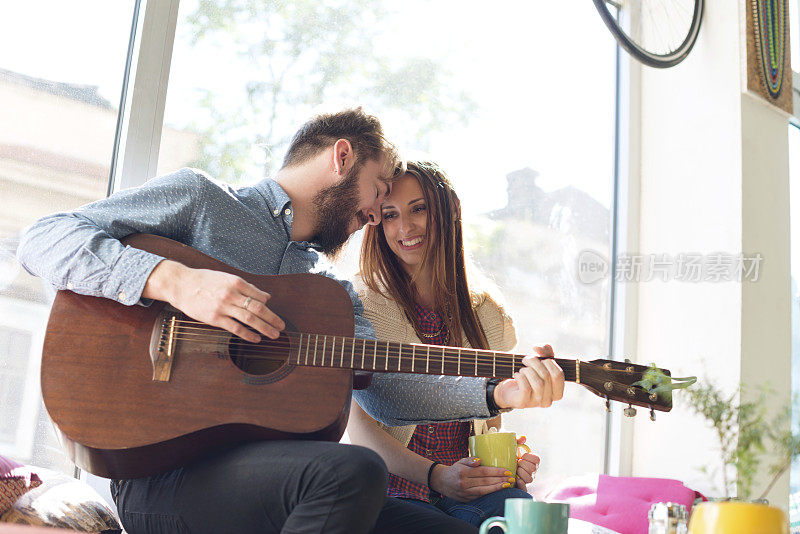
pixel 659 61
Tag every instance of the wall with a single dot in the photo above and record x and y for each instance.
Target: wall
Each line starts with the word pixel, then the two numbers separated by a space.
pixel 711 169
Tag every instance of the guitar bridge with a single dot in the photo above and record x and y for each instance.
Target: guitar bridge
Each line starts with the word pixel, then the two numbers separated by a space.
pixel 162 346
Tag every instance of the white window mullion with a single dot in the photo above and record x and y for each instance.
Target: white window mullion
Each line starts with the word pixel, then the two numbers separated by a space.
pixel 795 118
pixel 143 112
pixel 618 454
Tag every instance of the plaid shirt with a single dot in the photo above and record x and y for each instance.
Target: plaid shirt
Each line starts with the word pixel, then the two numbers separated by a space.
pixel 444 442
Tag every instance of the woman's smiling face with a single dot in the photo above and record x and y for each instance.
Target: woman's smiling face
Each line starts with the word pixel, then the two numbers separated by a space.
pixel 404 217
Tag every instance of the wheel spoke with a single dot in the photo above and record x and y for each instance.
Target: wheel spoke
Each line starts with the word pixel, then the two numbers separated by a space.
pixel 674 31
pixel 680 6
pixel 656 30
pixel 659 33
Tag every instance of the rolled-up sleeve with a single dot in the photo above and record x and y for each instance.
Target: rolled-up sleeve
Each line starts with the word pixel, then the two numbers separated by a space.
pixel 81 251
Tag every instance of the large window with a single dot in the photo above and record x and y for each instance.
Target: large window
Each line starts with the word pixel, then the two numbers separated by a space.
pixel 794 191
pixel 61 68
pixel 518 111
pixel 794 232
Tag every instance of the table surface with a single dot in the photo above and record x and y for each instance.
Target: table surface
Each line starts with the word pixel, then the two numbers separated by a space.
pixel 576 526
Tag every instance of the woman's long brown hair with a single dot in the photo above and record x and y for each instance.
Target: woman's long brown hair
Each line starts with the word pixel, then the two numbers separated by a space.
pixel 444 255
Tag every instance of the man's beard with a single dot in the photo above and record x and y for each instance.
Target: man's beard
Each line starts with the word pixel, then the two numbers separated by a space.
pixel 336 206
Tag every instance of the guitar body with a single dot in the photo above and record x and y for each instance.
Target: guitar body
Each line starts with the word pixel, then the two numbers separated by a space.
pixel 116 421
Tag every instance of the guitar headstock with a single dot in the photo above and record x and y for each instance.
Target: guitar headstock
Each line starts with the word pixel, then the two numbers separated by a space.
pixel 629 383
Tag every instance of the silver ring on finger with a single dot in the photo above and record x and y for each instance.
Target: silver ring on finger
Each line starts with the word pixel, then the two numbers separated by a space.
pixel 247 302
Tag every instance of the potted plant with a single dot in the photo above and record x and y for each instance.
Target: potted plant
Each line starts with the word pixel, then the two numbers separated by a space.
pixel 745 429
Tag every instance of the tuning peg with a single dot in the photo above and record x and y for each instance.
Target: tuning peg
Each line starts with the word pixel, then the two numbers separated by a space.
pixel 628 360
pixel 608 404
pixel 652 414
pixel 630 411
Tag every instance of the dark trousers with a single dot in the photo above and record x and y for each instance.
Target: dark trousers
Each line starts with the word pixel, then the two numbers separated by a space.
pixel 276 486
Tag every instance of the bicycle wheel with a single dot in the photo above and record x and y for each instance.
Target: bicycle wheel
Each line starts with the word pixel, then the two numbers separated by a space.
pixel 659 33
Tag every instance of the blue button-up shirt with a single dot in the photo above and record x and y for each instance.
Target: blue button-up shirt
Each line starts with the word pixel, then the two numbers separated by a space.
pixel 248 228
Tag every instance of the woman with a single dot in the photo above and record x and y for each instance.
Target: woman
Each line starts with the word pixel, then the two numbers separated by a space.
pixel 414 288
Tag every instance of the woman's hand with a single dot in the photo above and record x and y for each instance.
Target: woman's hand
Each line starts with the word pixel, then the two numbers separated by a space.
pixel 526 467
pixel 466 480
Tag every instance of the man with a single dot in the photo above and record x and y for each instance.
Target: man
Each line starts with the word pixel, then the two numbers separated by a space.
pixel 335 175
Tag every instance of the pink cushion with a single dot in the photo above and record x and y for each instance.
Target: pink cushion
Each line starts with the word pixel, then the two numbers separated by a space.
pixel 619 503
pixel 15 481
pixel 6 466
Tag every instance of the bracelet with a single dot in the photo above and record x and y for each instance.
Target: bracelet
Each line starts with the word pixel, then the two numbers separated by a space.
pixel 435 496
pixel 494 409
pixel 430 472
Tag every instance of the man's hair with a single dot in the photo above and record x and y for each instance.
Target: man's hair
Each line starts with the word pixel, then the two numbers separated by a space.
pixel 364 132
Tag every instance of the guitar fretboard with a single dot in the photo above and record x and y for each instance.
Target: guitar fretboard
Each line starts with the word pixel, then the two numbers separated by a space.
pixel 319 350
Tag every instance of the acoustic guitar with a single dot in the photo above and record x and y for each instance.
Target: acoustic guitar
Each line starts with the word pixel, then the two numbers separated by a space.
pixel 135 390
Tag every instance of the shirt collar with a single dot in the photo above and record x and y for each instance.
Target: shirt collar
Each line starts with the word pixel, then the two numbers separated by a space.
pixel 276 198
pixel 279 205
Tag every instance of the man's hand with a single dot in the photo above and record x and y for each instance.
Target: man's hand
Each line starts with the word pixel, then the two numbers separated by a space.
pixel 526 467
pixel 215 298
pixel 465 480
pixel 538 384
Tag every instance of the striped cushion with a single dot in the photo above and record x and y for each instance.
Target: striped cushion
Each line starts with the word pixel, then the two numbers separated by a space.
pixel 64 502
pixel 15 481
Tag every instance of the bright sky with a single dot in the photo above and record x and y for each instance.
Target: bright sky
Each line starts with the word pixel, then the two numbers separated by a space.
pixel 82 42
pixel 545 89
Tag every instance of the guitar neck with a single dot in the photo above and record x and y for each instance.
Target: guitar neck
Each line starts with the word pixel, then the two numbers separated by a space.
pixel 319 350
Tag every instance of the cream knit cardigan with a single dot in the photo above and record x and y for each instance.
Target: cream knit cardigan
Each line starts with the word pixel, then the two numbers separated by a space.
pixel 391 324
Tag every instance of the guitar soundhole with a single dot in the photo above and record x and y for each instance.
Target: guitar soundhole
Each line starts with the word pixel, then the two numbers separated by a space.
pixel 259 359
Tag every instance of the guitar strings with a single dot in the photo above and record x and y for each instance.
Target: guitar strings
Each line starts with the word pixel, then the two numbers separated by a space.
pixel 254 352
pixel 215 333
pixel 210 333
pixel 499 367
pixel 450 354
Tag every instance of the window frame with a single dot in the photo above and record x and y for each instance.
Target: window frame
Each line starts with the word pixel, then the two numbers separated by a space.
pixel 141 111
pixel 618 438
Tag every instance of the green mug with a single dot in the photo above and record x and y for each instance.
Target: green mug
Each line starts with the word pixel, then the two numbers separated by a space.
pixel 497 449
pixel 524 516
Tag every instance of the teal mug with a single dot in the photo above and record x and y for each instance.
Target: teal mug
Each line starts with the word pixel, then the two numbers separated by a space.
pixel 524 516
